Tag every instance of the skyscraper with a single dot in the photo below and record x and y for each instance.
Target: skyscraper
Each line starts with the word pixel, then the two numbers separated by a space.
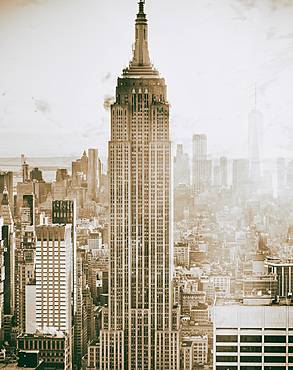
pixel 140 325
pixel 63 213
pixel 181 167
pixel 199 162
pixel 92 174
pixel 53 277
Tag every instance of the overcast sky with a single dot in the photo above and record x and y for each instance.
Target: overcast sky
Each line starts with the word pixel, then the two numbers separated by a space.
pixel 59 61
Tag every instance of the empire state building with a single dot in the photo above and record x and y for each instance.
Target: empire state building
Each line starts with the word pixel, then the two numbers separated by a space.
pixel 140 327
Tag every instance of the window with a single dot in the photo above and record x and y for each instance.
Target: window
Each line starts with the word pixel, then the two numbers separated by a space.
pixel 275 339
pixel 250 338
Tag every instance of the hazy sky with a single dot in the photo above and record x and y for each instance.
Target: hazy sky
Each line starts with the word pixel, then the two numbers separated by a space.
pixel 59 61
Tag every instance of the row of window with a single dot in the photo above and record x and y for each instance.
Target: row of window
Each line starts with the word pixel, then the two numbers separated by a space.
pixel 258 359
pixel 254 338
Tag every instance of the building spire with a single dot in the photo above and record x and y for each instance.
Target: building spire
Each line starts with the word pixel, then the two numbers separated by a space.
pixel 141 64
pixel 141 6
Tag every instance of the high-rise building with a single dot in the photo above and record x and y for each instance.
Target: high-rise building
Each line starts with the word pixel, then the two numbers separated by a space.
pixel 92 174
pixel 36 175
pixel 140 328
pixel 29 202
pixel 6 179
pixel 199 162
pixel 9 241
pixel 181 167
pixel 64 212
pixel 8 238
pixel 25 169
pixel 53 277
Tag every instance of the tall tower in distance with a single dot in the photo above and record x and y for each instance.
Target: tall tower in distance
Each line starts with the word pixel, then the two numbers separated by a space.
pixel 181 167
pixel 140 327
pixel 92 173
pixel 199 162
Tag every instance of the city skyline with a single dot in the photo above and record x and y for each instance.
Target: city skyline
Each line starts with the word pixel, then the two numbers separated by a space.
pixel 58 74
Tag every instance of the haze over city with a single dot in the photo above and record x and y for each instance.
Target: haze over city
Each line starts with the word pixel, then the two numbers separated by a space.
pixel 60 60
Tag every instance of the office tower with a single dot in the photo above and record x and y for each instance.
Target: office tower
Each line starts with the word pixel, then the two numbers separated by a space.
pixel 6 179
pixel 75 168
pixel 253 333
pixel 25 283
pixel 25 169
pixel 181 167
pixel 84 163
pixel 42 190
pixel 53 277
pixel 223 172
pixel 255 143
pixel 64 212
pixel 92 175
pixel 199 162
pixel 36 175
pixel 23 188
pixel 9 240
pixel 140 325
pixel 27 212
pixel 29 201
pixel 80 318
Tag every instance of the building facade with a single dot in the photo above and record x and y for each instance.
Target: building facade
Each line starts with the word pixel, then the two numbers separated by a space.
pixel 253 334
pixel 199 162
pixel 53 277
pixel 140 326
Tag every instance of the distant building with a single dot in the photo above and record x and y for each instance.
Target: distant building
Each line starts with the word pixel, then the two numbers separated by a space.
pixel 61 174
pixel 36 175
pixel 23 188
pixel 29 201
pixel 93 174
pixel 183 202
pixel 181 167
pixel 199 162
pixel 6 179
pixel 181 254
